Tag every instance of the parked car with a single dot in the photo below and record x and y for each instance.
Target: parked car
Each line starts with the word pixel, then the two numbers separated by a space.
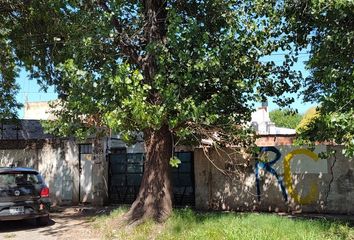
pixel 23 195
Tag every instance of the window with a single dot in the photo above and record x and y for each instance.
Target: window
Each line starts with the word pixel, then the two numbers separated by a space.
pixel 85 148
pixel 19 178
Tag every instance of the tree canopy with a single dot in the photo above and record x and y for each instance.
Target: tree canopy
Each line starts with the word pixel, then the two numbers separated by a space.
pixel 309 117
pixel 204 68
pixel 8 73
pixel 173 70
pixel 285 118
pixel 326 28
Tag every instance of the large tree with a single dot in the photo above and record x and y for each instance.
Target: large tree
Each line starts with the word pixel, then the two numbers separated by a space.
pixel 174 70
pixel 326 28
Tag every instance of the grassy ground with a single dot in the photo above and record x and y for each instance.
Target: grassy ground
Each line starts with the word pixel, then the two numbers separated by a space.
pixel 187 224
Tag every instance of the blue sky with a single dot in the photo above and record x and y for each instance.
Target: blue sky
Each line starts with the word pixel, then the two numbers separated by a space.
pixel 299 66
pixel 30 91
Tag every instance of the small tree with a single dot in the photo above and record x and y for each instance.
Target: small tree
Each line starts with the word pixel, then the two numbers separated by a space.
pixel 285 118
pixel 309 117
pixel 174 70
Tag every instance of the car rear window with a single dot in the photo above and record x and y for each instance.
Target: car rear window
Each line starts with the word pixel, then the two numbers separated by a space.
pixel 19 178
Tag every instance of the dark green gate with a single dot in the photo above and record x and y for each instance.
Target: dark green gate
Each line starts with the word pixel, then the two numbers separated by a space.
pixel 126 171
pixel 183 180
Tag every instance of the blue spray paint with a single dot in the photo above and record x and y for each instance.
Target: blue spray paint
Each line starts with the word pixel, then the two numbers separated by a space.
pixel 268 167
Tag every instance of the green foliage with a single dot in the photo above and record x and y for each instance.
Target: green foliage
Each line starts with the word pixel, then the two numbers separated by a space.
pixel 309 116
pixel 337 128
pixel 8 103
pixel 175 162
pixel 114 71
pixel 8 73
pixel 285 118
pixel 204 67
pixel 327 29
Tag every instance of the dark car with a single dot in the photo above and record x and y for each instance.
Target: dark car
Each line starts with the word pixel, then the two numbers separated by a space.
pixel 23 195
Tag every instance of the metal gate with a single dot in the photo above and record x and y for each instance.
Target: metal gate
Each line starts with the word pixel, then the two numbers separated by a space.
pixel 183 180
pixel 126 172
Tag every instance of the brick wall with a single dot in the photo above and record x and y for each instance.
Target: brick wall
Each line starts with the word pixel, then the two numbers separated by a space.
pixel 275 140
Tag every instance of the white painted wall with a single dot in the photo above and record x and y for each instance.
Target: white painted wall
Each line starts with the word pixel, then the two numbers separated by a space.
pixel 260 120
pixel 56 161
pixel 37 110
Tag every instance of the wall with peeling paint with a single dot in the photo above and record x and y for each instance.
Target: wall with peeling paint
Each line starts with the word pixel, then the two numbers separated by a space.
pixel 57 161
pixel 225 180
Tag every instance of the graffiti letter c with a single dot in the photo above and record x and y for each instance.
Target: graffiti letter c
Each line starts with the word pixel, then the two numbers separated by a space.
pixel 313 193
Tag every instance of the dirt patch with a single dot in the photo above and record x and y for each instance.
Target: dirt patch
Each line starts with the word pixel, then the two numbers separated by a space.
pixel 72 223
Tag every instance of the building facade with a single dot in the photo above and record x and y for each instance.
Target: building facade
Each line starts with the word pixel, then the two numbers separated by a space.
pixel 280 177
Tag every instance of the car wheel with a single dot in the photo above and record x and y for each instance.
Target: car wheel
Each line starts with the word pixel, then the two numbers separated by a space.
pixel 42 221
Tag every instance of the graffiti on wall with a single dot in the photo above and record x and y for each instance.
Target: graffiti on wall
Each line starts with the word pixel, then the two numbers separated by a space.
pixel 284 180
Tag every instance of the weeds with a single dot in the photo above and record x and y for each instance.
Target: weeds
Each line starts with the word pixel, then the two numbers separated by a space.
pixel 188 224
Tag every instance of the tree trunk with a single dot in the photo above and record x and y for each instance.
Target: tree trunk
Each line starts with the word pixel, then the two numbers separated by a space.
pixel 154 199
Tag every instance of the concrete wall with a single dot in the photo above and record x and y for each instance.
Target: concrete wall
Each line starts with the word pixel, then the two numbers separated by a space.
pixel 38 110
pixel 56 160
pixel 225 180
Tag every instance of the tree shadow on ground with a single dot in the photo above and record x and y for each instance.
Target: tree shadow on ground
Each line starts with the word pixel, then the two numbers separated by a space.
pixel 20 225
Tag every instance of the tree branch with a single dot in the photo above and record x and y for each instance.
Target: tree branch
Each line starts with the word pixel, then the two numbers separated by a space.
pixel 128 48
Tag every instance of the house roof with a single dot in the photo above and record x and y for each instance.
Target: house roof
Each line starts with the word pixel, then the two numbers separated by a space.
pixel 23 130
